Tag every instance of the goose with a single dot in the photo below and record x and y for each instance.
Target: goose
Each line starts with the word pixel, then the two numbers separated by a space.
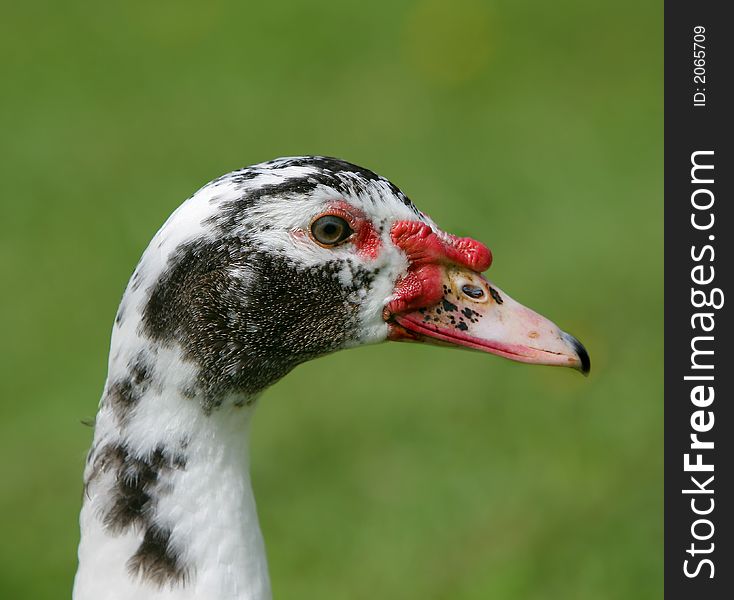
pixel 260 270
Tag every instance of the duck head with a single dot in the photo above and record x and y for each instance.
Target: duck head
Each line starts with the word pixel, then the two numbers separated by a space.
pixel 258 271
pixel 279 263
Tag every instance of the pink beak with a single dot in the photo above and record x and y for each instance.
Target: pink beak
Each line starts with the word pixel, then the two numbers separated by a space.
pixel 444 299
pixel 476 314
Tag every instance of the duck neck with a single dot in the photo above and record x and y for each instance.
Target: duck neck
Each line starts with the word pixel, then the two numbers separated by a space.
pixel 168 506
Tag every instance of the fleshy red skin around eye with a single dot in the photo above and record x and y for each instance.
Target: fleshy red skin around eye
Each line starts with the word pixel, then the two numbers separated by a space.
pixel 427 252
pixel 366 239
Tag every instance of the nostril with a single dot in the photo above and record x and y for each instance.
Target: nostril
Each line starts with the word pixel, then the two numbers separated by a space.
pixel 472 291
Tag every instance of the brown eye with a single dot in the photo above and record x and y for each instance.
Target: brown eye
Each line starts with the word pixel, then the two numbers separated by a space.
pixel 330 230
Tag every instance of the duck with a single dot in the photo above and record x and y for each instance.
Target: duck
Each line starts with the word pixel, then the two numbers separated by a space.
pixel 259 271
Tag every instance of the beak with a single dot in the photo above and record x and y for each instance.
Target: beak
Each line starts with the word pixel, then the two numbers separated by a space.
pixel 474 313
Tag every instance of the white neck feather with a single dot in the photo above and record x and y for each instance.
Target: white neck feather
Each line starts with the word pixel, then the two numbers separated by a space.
pixel 206 504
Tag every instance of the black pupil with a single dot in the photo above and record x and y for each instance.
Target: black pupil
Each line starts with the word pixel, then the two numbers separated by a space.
pixel 331 230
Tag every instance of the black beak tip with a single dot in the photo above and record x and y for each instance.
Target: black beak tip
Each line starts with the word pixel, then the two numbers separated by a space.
pixel 584 360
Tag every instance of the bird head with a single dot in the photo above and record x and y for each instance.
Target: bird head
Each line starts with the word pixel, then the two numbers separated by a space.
pixel 270 266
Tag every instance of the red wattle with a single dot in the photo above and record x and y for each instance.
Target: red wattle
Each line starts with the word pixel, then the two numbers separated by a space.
pixel 427 251
pixel 420 287
pixel 421 244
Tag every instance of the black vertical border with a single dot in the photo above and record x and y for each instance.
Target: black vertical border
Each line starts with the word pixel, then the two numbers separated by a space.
pixel 689 128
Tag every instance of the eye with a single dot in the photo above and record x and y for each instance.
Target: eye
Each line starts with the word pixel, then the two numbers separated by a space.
pixel 330 230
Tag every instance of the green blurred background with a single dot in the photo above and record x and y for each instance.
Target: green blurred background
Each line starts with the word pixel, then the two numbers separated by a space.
pixel 533 126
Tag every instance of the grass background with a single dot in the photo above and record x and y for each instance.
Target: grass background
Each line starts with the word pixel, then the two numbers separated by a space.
pixel 533 126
